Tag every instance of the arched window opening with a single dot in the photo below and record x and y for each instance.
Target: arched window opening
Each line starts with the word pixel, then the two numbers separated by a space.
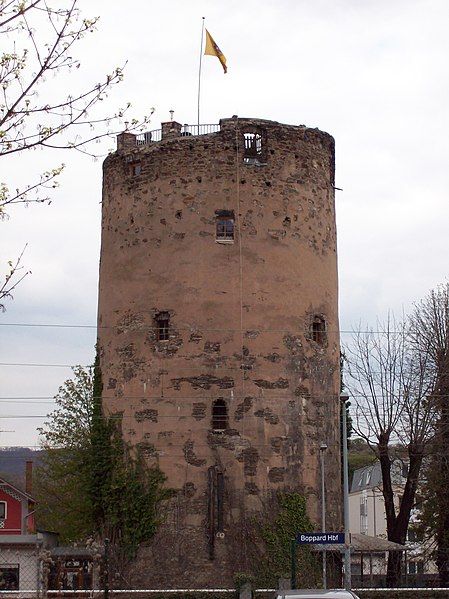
pixel 162 321
pixel 219 415
pixel 319 330
pixel 253 148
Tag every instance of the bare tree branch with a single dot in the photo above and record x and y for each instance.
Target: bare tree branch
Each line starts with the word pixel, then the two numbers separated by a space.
pixel 12 278
pixel 41 40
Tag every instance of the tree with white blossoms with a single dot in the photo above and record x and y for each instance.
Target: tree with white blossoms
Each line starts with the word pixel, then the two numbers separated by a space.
pixel 39 40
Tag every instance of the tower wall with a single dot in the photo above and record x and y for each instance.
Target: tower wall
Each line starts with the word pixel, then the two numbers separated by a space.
pixel 240 329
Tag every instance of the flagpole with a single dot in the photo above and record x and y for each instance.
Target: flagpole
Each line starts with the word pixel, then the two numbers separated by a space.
pixel 199 73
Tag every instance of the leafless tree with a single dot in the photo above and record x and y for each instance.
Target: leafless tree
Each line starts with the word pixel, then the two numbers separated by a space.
pixel 39 39
pixel 392 391
pixel 429 334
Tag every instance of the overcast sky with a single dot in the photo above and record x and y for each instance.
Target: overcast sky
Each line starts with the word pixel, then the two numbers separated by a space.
pixel 373 73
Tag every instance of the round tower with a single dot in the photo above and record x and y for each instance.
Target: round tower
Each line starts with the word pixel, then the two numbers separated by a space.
pixel 218 329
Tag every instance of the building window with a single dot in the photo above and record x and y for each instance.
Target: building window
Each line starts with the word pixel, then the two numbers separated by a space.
pixel 416 567
pixel 162 321
pixel 319 330
pixel 136 169
pixel 9 577
pixel 253 148
pixel 219 415
pixel 364 513
pixel 224 226
pixel 2 510
pixel 414 536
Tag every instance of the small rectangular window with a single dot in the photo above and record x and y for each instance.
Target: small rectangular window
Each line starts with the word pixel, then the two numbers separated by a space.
pixel 2 510
pixel 412 536
pixel 219 415
pixel 319 330
pixel 224 226
pixel 136 169
pixel 252 148
pixel 162 326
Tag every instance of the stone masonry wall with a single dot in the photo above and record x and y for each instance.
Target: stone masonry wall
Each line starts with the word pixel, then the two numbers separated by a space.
pixel 240 329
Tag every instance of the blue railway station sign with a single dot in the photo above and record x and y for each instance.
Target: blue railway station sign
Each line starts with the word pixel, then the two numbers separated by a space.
pixel 320 538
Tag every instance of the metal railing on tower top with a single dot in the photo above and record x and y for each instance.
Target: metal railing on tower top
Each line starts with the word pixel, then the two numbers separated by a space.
pixel 150 137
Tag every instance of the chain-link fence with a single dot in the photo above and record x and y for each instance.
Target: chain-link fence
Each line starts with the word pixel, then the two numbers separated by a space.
pixel 31 571
pixel 21 569
pixel 417 570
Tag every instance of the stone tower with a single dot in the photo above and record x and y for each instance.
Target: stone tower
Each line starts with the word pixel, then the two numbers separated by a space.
pixel 218 328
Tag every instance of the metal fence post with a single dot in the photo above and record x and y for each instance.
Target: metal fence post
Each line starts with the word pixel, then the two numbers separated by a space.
pixel 347 562
pixel 106 569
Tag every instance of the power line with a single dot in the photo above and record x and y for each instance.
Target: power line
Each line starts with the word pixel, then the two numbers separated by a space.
pixel 35 364
pixel 194 329
pixel 144 398
pixel 27 401
pixel 182 416
pixel 50 325
pixel 165 448
pixel 163 366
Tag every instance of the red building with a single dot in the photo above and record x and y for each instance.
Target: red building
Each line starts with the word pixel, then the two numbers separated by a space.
pixel 17 507
pixel 19 543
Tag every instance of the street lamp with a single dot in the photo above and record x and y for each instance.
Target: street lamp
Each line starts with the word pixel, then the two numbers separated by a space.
pixel 323 448
pixel 343 401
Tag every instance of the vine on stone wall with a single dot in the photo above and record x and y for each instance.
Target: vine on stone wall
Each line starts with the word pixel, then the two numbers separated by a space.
pixel 124 490
pixel 90 483
pixel 291 518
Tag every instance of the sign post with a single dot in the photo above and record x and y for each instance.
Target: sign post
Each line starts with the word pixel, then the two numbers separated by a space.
pixel 313 538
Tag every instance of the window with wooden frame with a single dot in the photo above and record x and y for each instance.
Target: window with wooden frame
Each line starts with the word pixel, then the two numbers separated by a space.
pixel 3 510
pixel 219 415
pixel 224 226
pixel 162 322
pixel 319 330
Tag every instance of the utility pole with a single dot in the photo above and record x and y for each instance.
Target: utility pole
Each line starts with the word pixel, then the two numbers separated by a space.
pixel 323 448
pixel 343 400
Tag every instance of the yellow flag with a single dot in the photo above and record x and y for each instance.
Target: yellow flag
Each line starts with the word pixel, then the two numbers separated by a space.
pixel 213 50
